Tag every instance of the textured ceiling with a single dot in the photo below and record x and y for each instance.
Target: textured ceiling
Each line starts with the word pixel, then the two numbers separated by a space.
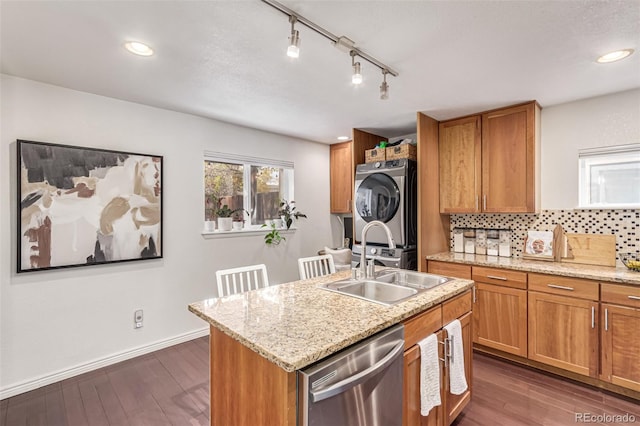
pixel 226 59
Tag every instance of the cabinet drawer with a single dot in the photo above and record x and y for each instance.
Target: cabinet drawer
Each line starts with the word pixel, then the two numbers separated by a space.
pixel 456 307
pixel 583 289
pixel 420 326
pixel 620 294
pixel 450 269
pixel 503 277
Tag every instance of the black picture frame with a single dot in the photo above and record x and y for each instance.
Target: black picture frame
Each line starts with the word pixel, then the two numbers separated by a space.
pixel 80 206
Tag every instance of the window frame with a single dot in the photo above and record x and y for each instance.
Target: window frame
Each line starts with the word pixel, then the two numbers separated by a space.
pixel 247 162
pixel 611 155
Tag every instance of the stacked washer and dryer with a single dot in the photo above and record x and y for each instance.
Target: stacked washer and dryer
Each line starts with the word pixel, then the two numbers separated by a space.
pixel 387 191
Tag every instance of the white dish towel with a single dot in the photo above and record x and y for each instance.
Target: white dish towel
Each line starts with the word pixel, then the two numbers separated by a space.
pixel 429 374
pixel 457 379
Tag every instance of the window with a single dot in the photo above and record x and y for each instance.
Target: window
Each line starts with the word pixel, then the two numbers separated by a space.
pixel 610 177
pixel 251 186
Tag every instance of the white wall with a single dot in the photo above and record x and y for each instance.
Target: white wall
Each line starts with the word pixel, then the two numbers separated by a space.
pixel 589 123
pixel 57 321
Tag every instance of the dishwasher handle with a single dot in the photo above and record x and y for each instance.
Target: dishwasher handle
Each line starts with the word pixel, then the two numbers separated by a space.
pixel 356 379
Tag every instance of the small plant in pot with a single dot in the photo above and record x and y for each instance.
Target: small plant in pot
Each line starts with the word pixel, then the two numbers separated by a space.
pixel 273 237
pixel 288 212
pixel 224 213
pixel 238 219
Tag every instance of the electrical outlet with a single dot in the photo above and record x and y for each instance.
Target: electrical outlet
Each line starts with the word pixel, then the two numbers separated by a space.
pixel 137 318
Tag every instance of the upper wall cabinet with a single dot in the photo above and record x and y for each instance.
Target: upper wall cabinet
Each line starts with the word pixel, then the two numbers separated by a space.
pixel 343 159
pixel 490 162
pixel 341 176
pixel 460 152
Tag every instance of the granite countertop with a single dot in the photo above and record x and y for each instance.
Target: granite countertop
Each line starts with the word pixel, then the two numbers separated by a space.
pixel 296 324
pixel 620 275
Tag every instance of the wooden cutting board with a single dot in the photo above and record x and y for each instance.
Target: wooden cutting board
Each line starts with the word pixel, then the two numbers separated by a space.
pixel 592 249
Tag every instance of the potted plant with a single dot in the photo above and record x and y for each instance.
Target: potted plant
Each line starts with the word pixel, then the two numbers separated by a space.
pixel 288 212
pixel 238 219
pixel 223 212
pixel 273 237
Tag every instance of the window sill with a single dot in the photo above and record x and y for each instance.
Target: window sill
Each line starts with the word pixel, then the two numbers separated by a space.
pixel 234 233
pixel 609 207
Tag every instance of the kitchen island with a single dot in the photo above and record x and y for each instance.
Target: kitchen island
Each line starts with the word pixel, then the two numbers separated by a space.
pixel 259 340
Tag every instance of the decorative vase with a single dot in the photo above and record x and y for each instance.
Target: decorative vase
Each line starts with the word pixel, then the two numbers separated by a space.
pixel 225 223
pixel 237 225
pixel 209 225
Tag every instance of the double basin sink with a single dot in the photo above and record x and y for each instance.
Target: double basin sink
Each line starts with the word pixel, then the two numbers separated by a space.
pixel 388 286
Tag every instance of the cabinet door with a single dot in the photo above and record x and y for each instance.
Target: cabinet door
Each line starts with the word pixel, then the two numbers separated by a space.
pixel 500 318
pixel 621 346
pixel 411 390
pixel 341 177
pixel 563 333
pixel 459 154
pixel 454 404
pixel 508 160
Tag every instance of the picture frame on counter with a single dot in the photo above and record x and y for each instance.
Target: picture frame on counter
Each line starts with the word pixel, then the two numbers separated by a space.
pixel 80 206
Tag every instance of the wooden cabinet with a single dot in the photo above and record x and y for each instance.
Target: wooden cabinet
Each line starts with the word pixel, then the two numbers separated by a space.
pixel 500 310
pixel 490 162
pixel 620 344
pixel 460 152
pixel 344 157
pixel 510 159
pixel 563 329
pixel 416 329
pixel 341 177
pixel 449 269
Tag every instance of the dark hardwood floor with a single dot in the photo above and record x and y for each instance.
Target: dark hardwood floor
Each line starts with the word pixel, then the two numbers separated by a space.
pixel 171 387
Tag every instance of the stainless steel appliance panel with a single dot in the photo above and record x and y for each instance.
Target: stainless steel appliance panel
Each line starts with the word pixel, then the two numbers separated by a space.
pixel 359 386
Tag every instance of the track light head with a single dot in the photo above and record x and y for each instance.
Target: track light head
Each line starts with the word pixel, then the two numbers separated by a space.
pixel 293 51
pixel 384 87
pixel 356 77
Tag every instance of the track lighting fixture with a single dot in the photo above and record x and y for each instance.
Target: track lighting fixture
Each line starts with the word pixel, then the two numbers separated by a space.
pixel 343 43
pixel 293 51
pixel 356 77
pixel 384 87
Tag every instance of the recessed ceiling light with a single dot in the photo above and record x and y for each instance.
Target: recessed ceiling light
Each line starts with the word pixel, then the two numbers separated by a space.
pixel 138 48
pixel 343 138
pixel 614 56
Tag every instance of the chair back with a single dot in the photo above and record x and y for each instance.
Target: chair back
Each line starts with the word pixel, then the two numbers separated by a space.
pixel 238 280
pixel 316 266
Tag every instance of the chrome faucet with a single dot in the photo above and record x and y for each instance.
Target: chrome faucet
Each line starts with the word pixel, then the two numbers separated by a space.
pixel 363 260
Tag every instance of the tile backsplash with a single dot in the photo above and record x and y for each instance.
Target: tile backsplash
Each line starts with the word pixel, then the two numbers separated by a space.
pixel 623 223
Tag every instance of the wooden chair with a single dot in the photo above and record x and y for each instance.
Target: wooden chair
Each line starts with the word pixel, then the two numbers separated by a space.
pixel 316 266
pixel 238 280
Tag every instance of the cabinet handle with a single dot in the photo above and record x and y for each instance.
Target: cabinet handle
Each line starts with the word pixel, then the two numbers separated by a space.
pixel 474 294
pixel 484 202
pixel 444 360
pixel 477 202
pixel 593 317
pixel 494 277
pixel 560 287
pixel 450 339
pixel 634 297
pixel 606 320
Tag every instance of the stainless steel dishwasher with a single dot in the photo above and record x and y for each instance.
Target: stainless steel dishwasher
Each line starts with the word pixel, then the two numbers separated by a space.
pixel 359 386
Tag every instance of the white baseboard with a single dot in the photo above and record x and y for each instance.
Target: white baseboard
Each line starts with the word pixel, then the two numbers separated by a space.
pixel 48 379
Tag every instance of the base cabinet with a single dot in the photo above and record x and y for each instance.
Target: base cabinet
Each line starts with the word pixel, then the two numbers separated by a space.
pixel 620 336
pixel 416 329
pixel 563 332
pixel 500 307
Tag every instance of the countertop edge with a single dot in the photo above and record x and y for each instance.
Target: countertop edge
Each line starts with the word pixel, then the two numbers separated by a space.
pixel 608 274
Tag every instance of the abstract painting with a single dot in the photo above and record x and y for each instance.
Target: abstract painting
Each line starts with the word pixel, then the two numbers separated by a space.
pixel 85 206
